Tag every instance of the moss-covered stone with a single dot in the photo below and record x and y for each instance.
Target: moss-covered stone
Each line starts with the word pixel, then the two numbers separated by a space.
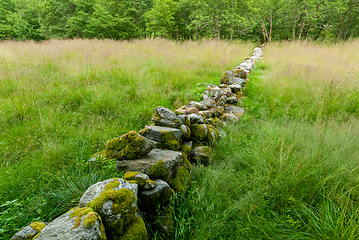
pixel 182 177
pixel 129 146
pixel 186 163
pixel 185 149
pixel 142 180
pixel 136 231
pixel 198 131
pixel 212 135
pixel 158 171
pixel 123 204
pixel 77 214
pixel 170 141
pixel 225 78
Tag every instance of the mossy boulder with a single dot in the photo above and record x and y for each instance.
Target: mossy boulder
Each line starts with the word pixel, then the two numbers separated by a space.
pixel 167 138
pixel 198 131
pixel 136 230
pixel 186 148
pixel 212 136
pixel 129 146
pixel 150 200
pixel 29 232
pixel 78 223
pixel 186 131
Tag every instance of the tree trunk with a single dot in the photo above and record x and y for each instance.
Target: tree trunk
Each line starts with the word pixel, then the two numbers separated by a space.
pixel 301 29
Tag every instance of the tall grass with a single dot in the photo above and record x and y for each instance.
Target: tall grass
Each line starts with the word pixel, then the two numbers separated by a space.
pixel 289 169
pixel 60 101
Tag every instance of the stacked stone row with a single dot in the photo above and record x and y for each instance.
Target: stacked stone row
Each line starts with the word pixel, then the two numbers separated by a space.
pixel 157 161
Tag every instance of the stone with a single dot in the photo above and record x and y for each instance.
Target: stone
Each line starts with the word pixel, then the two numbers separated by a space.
pixel 227 77
pixel 202 155
pixel 95 190
pixel 208 101
pixel 198 131
pixel 161 134
pixel 235 87
pixel 239 81
pixel 232 99
pixel 229 117
pixel 158 196
pixel 115 200
pixel 222 100
pixel 78 223
pixel 29 232
pixel 212 136
pixel 214 92
pixel 164 117
pixel 188 110
pixel 186 131
pixel 143 180
pixel 129 146
pixel 158 163
pixel 186 148
pixel 207 113
pixel 240 73
pixel 195 118
pixel 200 106
pixel 234 110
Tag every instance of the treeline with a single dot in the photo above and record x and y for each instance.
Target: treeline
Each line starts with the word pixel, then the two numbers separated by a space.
pixel 258 20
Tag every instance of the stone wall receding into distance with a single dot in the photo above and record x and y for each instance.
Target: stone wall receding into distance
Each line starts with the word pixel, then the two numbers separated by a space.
pixel 157 161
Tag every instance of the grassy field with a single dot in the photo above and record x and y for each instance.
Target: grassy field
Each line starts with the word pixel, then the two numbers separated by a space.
pixel 60 101
pixel 290 169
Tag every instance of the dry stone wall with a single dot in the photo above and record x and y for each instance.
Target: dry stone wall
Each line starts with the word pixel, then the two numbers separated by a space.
pixel 157 161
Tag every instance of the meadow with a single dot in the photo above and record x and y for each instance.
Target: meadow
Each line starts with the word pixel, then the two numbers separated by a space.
pixel 60 101
pixel 288 170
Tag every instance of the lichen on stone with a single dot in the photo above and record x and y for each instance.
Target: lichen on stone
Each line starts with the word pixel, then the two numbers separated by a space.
pixel 170 142
pixel 185 149
pixel 38 226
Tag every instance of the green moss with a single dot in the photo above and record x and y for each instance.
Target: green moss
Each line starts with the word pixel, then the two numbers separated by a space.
pixel 113 184
pixel 225 78
pixel 143 131
pixel 77 214
pixel 150 181
pixel 170 142
pixel 158 171
pixel 129 146
pixel 136 231
pixel 131 176
pixel 186 121
pixel 38 226
pixel 186 133
pixel 182 177
pixel 198 131
pixel 186 163
pixel 123 201
pixel 212 135
pixel 185 149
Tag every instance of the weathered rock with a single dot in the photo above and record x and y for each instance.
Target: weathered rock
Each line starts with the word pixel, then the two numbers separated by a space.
pixel 143 180
pixel 235 87
pixel 182 178
pixel 167 138
pixel 214 92
pixel 212 135
pixel 229 117
pixel 151 199
pixel 161 134
pixel 232 99
pixel 116 205
pixel 227 77
pixel 29 232
pixel 234 110
pixel 208 101
pixel 129 146
pixel 78 223
pixel 222 100
pixel 239 81
pixel 198 131
pixel 202 155
pixel 164 117
pixel 186 148
pixel 96 190
pixel 194 118
pixel 240 73
pixel 207 113
pixel 158 163
pixel 198 105
pixel 188 110
pixel 186 132
pixel 247 65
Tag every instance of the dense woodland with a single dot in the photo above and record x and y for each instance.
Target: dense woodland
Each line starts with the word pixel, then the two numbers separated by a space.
pixel 264 20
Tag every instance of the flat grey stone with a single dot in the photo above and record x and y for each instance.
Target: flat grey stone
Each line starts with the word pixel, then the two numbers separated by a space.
pixel 155 197
pixel 158 133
